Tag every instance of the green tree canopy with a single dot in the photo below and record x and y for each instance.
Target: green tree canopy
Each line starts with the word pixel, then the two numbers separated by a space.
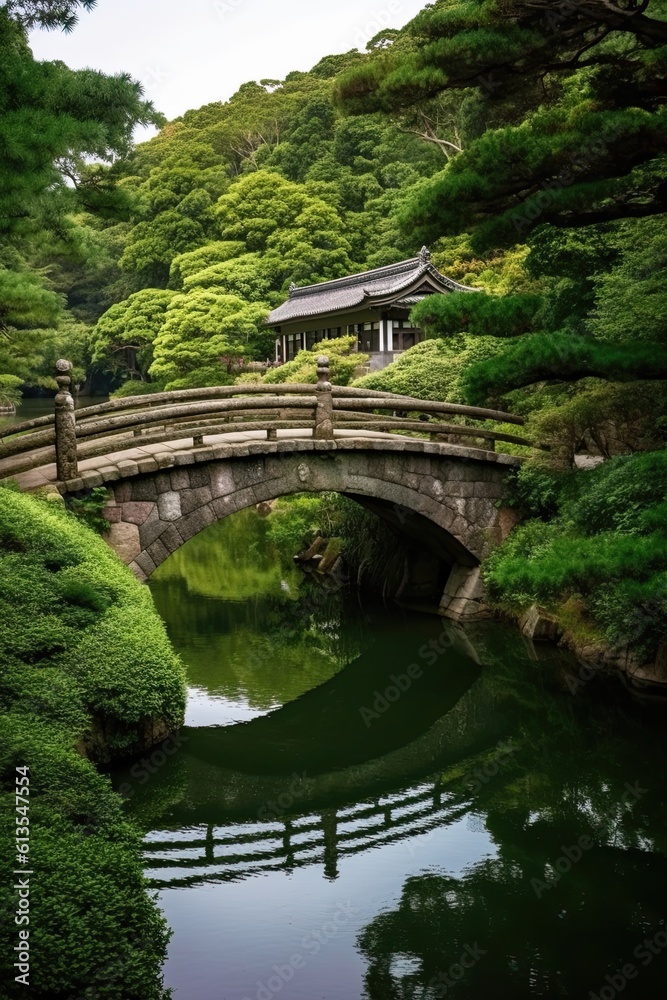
pixel 48 114
pixel 153 245
pixel 25 302
pixel 47 13
pixel 576 129
pixel 123 337
pixel 201 330
pixel 631 297
pixel 61 133
pixel 189 264
pixel 479 314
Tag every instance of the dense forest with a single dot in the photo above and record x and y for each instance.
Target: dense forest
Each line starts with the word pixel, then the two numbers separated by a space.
pixel 523 141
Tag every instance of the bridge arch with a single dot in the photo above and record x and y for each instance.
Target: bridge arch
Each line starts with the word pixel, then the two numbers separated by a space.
pixel 444 495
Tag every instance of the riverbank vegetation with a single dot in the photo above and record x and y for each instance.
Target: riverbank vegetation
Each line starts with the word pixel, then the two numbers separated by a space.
pixel 88 674
pixel 593 552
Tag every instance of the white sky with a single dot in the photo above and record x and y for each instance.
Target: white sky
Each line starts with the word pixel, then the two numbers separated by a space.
pixel 193 53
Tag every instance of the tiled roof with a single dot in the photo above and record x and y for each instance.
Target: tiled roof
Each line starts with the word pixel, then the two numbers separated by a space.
pixel 368 288
pixel 408 301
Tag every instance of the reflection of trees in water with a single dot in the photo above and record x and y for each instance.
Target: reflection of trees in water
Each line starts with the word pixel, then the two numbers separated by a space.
pixel 561 945
pixel 265 651
pixel 549 926
pixel 246 625
pixel 231 560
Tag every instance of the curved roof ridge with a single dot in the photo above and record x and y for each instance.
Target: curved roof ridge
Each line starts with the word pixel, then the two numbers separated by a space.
pixel 388 271
pixel 426 269
pixel 377 286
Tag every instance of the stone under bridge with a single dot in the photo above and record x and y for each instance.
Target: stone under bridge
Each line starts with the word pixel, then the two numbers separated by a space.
pixel 177 462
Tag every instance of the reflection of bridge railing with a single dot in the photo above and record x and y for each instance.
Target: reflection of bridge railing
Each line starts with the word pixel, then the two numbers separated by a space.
pixel 202 854
pixel 120 425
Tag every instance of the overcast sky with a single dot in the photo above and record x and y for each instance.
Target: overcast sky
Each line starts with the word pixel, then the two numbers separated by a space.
pixel 190 54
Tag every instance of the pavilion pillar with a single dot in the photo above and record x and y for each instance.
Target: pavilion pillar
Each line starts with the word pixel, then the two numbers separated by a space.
pixel 383 327
pixel 390 334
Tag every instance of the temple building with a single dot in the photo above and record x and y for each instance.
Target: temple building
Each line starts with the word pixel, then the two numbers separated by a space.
pixel 373 306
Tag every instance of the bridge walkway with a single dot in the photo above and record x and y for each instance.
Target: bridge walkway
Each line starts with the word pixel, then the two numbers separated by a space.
pixel 46 475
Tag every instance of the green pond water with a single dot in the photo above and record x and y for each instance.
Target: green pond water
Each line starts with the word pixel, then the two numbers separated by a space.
pixel 367 802
pixel 43 406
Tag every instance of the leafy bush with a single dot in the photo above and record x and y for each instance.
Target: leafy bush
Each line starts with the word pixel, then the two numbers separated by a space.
pixel 622 496
pixel 433 369
pixel 534 489
pixel 136 388
pixel 607 547
pixel 293 522
pixel 90 507
pixel 604 417
pixel 367 543
pixel 94 929
pixel 69 605
pixel 303 368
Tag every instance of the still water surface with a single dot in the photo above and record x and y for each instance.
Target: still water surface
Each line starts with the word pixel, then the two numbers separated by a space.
pixel 43 406
pixel 370 804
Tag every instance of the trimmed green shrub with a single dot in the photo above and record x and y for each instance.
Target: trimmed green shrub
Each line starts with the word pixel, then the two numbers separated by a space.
pixel 69 605
pixel 434 369
pixel 303 368
pixel 86 663
pixel 95 931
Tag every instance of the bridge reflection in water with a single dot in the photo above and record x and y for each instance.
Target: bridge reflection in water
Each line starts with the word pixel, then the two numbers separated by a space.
pixel 236 851
pixel 267 796
pixel 260 831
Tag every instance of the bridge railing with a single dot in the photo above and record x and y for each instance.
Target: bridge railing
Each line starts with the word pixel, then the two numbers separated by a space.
pixel 189 416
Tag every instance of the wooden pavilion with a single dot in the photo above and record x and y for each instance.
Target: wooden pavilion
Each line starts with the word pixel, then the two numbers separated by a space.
pixel 373 306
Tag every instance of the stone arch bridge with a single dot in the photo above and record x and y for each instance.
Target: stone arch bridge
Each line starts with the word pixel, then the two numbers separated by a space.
pixel 177 462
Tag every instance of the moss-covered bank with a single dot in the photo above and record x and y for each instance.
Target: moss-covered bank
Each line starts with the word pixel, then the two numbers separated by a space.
pixel 87 673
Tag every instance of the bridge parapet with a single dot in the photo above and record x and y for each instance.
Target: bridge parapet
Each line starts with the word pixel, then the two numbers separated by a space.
pixel 191 416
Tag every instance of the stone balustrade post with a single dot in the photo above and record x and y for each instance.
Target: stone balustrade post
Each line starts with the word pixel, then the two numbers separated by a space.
pixel 66 457
pixel 324 428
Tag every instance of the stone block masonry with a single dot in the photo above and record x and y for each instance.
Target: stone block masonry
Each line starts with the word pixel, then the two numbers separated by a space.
pixel 457 489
